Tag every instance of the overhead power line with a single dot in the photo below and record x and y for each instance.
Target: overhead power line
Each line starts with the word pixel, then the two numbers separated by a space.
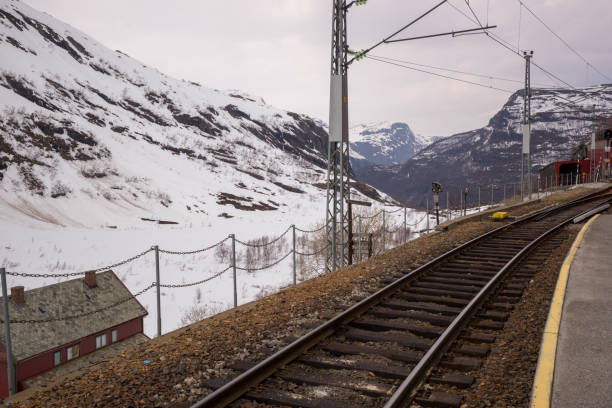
pixel 456 71
pixel 439 75
pixel 383 41
pixel 564 42
pixel 506 44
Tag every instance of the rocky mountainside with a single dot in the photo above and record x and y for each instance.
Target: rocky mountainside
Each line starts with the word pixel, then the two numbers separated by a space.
pixel 82 126
pixel 492 154
pixel 383 143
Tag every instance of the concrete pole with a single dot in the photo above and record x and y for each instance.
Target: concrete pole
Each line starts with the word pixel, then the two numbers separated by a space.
pixel 10 367
pixel 158 285
pixel 294 266
pixel 233 237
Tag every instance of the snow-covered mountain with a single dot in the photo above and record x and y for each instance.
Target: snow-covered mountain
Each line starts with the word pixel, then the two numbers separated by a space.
pixel 82 125
pixel 492 154
pixel 102 157
pixel 385 143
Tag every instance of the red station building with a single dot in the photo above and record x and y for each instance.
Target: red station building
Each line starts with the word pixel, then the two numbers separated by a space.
pixel 579 171
pixel 40 347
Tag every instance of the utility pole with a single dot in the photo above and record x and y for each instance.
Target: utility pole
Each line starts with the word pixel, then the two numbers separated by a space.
pixel 526 155
pixel 338 146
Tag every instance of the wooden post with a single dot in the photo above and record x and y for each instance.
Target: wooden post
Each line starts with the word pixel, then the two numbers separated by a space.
pixel 370 245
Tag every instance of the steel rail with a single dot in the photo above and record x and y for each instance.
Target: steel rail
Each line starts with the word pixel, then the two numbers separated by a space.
pixel 405 392
pixel 238 386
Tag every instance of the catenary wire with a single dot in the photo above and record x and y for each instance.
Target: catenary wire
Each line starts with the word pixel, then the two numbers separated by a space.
pixel 564 42
pixel 441 75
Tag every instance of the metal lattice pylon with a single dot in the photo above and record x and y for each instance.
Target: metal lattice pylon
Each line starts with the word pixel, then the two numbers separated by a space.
pixel 338 166
pixel 526 153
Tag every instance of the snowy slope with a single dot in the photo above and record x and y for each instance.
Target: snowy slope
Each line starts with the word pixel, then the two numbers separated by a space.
pixel 491 155
pixel 96 147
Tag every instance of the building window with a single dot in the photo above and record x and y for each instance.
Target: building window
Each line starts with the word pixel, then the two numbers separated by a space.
pixel 114 335
pixel 101 341
pixel 57 358
pixel 72 352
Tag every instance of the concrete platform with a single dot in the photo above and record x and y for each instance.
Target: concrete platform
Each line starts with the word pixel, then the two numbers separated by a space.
pixel 580 373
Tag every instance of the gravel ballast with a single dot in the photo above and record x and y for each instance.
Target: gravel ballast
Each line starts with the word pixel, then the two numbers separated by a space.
pixel 181 360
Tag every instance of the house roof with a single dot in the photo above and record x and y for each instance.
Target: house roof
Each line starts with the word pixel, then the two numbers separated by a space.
pixel 66 299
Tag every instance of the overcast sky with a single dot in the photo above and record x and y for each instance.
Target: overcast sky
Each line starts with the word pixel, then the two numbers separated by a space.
pixel 280 50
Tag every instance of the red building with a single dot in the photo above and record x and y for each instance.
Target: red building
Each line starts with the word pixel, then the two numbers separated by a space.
pixel 573 171
pixel 42 346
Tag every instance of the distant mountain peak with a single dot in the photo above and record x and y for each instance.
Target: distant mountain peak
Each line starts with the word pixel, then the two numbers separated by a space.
pixel 562 118
pixel 385 142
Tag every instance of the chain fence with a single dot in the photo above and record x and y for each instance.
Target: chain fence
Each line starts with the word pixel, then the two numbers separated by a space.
pixel 372 229
pixel 70 274
pixel 197 251
pixel 186 285
pixel 321 228
pixel 264 244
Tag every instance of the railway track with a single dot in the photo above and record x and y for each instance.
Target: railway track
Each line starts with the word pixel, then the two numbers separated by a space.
pixel 413 341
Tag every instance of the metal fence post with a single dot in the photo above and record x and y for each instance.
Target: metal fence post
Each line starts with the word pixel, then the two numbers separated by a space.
pixel 294 268
pixel 491 195
pixel 159 324
pixel 478 198
pixel 384 243
pixel 514 191
pixel 360 239
pixel 504 193
pixel 538 187
pixel 449 215
pixel 233 237
pixel 427 216
pixel 405 230
pixel 10 368
pixel 551 184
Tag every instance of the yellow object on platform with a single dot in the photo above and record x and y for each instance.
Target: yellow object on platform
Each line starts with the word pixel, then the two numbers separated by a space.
pixel 500 215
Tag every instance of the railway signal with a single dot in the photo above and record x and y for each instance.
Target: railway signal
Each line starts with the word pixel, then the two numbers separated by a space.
pixel 437 189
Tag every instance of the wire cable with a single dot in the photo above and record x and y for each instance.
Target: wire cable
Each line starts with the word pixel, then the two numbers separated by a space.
pixel 563 41
pixel 441 75
pixel 508 45
pixel 400 30
pixel 456 71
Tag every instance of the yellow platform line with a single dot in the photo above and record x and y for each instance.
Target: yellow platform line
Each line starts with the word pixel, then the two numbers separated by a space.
pixel 542 384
